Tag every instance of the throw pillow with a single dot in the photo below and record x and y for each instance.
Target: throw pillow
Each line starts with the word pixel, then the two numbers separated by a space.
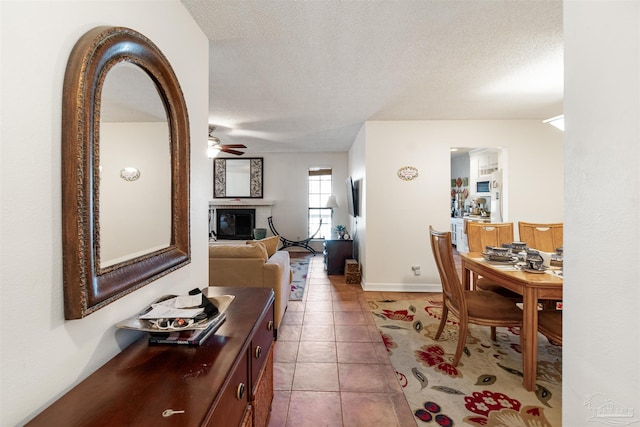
pixel 270 243
pixel 260 247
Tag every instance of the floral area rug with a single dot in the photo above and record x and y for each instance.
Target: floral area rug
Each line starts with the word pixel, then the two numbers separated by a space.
pixel 300 269
pixel 485 389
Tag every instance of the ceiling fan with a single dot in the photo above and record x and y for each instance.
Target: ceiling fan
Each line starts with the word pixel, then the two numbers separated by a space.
pixel 215 146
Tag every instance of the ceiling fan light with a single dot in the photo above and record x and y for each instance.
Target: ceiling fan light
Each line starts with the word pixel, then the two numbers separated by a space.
pixel 212 151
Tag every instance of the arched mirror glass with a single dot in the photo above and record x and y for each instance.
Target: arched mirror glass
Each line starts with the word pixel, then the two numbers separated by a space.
pixel 135 167
pixel 125 169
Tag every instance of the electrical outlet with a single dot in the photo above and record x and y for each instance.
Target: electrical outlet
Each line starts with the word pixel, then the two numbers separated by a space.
pixel 416 270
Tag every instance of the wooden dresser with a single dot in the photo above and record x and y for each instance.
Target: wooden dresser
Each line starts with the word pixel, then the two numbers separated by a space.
pixel 228 381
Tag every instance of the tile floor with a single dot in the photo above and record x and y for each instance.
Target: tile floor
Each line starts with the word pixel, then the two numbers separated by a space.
pixel 331 368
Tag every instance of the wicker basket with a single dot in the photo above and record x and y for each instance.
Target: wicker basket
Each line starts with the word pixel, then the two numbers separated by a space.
pixel 352 272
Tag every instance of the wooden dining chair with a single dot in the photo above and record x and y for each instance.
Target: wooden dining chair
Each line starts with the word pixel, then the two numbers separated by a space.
pixel 543 237
pixel 477 307
pixel 480 235
pixel 550 325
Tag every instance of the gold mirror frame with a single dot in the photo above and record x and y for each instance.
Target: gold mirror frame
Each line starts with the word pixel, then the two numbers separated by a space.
pixel 87 287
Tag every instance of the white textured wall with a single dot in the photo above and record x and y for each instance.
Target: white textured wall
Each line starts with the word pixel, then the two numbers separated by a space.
pixel 285 181
pixel 400 212
pixel 358 172
pixel 43 355
pixel 602 210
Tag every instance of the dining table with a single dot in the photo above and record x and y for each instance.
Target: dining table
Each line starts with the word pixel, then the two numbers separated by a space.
pixel 533 286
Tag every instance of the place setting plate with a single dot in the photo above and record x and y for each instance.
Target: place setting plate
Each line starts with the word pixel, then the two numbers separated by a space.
pixel 531 270
pixel 500 258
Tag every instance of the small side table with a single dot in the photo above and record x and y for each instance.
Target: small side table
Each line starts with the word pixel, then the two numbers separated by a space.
pixel 335 253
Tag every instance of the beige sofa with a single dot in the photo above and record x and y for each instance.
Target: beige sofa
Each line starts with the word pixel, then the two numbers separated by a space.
pixel 249 265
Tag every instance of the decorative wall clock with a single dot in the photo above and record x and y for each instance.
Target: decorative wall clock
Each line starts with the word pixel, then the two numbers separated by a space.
pixel 408 173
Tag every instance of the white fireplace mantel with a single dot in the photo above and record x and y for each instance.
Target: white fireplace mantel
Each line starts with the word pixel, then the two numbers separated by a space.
pixel 241 202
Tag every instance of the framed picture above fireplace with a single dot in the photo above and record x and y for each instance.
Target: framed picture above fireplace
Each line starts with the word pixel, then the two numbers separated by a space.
pixel 237 178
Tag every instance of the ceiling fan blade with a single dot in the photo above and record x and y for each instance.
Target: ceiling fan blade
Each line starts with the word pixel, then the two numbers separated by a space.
pixel 230 151
pixel 234 145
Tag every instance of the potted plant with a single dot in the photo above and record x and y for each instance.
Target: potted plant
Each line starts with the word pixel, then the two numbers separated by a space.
pixel 340 230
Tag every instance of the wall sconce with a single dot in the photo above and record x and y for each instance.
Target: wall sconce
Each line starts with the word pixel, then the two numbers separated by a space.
pixel 557 122
pixel 130 174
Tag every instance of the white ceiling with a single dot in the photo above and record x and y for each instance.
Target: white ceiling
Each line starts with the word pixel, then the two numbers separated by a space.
pixel 305 75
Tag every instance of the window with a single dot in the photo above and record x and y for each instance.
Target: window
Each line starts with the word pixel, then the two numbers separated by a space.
pixel 319 192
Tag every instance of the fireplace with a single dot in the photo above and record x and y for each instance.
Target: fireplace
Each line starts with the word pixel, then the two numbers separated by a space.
pixel 235 224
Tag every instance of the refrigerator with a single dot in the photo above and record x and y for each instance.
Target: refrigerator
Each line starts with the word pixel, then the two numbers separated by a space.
pixel 496 208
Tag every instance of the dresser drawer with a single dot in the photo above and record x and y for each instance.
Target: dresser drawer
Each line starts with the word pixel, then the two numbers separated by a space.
pixel 260 347
pixel 234 398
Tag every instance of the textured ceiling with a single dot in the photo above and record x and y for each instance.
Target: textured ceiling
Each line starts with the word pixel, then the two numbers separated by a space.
pixel 305 75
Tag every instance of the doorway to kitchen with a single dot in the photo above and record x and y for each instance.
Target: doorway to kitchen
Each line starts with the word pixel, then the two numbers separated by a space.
pixel 478 188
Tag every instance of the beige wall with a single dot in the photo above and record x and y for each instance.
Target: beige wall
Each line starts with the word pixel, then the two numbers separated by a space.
pixel 43 355
pixel 602 211
pixel 285 181
pixel 400 212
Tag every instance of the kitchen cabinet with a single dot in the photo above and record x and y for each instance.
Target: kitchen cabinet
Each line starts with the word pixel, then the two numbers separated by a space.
pixel 483 162
pixel 454 239
pixel 458 237
pixel 335 253
pixel 227 381
pixel 488 162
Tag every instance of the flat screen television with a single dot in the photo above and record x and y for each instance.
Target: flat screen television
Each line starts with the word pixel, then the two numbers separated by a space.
pixel 352 197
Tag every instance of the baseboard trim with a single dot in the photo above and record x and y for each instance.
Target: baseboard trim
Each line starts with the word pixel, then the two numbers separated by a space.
pixel 402 287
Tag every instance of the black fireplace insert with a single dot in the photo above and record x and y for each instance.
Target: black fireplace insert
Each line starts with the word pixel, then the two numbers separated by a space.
pixel 235 224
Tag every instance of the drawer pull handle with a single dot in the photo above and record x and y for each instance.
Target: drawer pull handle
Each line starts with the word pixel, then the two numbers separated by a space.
pixel 240 391
pixel 270 325
pixel 258 352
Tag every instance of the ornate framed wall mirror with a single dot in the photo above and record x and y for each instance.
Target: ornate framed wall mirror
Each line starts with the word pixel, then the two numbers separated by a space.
pixel 237 178
pixel 125 169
